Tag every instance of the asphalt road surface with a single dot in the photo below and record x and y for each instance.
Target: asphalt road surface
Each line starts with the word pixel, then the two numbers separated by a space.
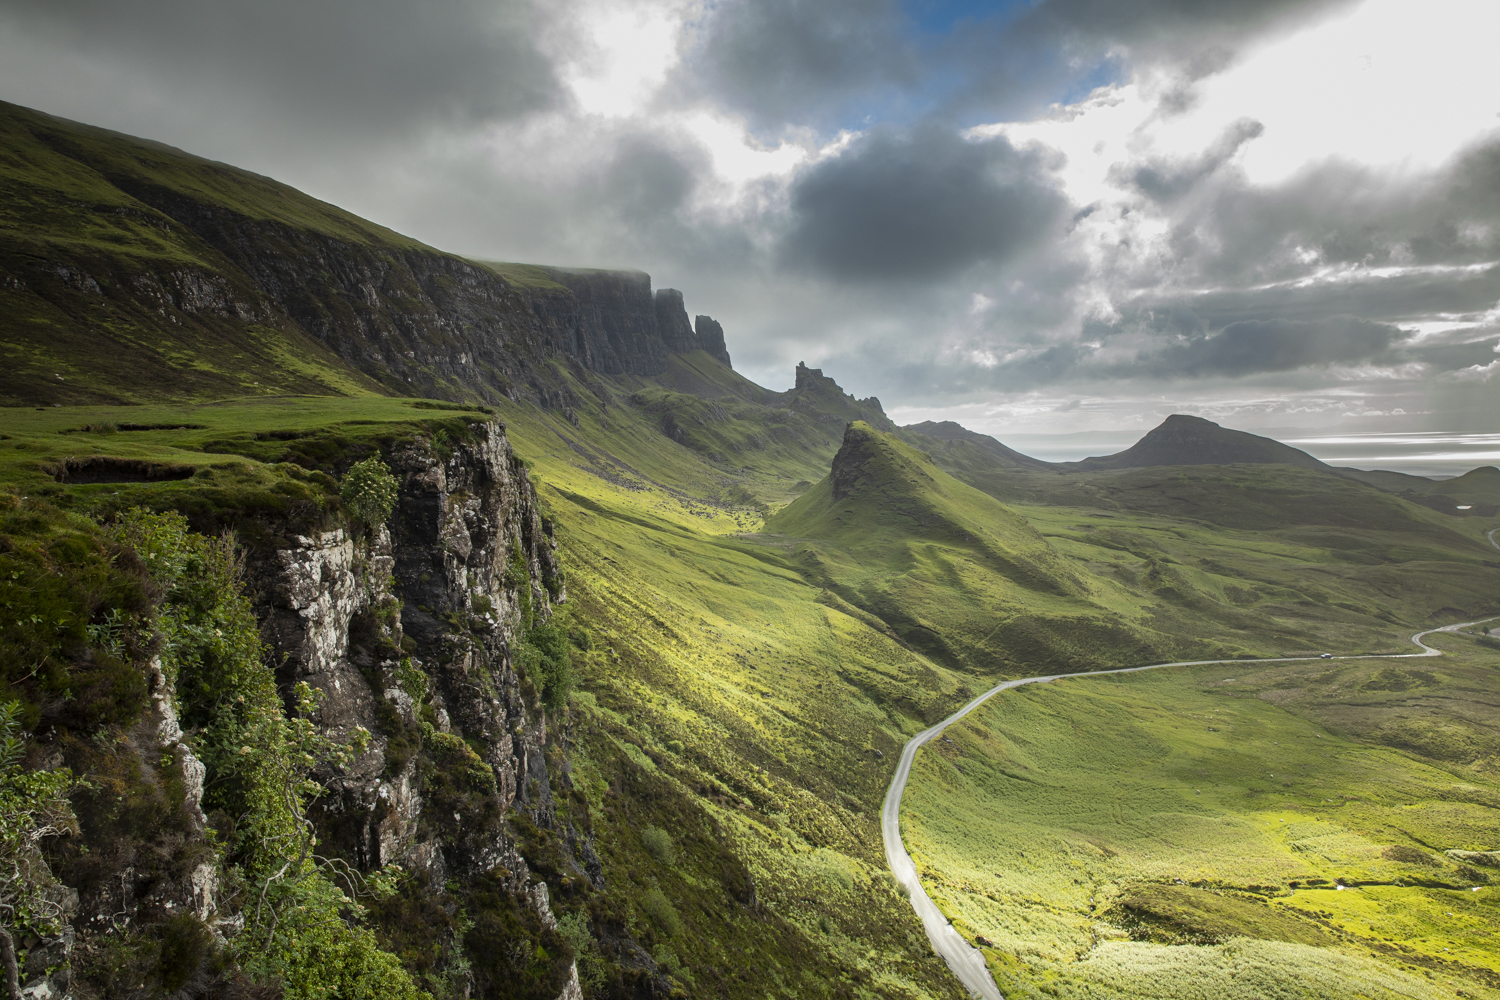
pixel 963 958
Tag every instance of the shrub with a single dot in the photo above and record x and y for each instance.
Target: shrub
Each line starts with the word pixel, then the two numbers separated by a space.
pixel 34 804
pixel 369 490
pixel 300 927
pixel 542 655
pixel 660 911
pixel 658 844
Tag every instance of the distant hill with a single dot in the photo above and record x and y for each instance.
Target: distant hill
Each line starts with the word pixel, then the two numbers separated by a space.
pixel 950 570
pixel 1188 440
pixel 957 439
pixel 1481 485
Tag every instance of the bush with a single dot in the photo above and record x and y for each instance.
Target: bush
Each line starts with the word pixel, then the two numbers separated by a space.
pixel 658 844
pixel 660 911
pixel 542 655
pixel 300 927
pixel 369 491
pixel 34 804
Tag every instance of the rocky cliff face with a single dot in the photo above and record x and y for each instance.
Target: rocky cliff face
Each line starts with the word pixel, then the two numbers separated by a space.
pixel 263 286
pixel 711 338
pixel 612 323
pixel 419 633
pixel 412 633
pixel 821 398
pixel 424 323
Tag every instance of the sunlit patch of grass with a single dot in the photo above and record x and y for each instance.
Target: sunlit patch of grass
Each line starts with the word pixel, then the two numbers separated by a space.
pixel 1077 826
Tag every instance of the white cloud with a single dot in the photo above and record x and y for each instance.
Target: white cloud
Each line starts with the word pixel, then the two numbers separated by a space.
pixel 1478 373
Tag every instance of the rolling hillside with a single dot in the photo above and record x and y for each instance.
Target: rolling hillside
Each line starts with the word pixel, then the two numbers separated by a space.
pixel 760 595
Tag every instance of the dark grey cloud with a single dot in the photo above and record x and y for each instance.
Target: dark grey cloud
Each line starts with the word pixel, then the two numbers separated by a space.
pixel 919 205
pixel 1258 346
pixel 1452 357
pixel 1167 180
pixel 1401 298
pixel 802 60
pixel 646 180
pixel 1343 214
pixel 347 65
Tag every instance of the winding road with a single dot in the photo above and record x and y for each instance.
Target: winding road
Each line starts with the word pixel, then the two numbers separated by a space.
pixel 963 958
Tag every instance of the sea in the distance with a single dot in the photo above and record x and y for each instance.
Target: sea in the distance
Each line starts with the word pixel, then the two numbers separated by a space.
pixel 1438 454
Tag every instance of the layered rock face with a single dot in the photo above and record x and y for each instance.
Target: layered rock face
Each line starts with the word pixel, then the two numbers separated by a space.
pixel 436 602
pixel 711 338
pixel 231 266
pixel 613 323
pixel 421 322
pixel 413 630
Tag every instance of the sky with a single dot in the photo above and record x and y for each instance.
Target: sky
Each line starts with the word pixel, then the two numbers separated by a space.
pixel 1056 221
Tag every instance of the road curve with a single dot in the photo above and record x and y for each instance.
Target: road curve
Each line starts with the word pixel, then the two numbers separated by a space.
pixel 963 958
pixel 1491 537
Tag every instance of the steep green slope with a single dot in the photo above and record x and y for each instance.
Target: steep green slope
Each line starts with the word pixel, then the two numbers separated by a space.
pixel 106 297
pixel 950 570
pixel 134 272
pixel 720 701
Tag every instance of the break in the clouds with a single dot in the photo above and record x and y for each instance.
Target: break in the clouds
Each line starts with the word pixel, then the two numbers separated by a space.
pixel 1047 211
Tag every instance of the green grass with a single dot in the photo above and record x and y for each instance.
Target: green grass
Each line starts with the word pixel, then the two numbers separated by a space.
pixel 261 466
pixel 526 276
pixel 750 699
pixel 87 308
pixel 1111 835
pixel 751 702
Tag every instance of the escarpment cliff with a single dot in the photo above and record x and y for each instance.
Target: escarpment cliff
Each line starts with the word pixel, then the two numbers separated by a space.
pixel 426 648
pixel 195 279
pixel 415 633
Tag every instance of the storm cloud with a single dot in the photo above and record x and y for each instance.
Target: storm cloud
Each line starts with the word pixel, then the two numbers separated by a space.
pixel 917 205
pixel 343 66
pixel 933 201
pixel 1258 346
pixel 803 60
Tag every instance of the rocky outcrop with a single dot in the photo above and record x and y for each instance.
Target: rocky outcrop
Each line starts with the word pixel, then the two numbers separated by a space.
pixel 711 339
pixel 411 633
pixel 822 399
pixel 672 324
pixel 613 324
pixel 420 322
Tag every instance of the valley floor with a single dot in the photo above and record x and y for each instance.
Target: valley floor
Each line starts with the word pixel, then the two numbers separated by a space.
pixel 1226 830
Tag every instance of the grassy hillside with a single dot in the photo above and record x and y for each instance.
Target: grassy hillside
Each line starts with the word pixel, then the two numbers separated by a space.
pixel 1127 567
pixel 732 698
pixel 948 569
pixel 107 297
pixel 1187 832
pixel 720 702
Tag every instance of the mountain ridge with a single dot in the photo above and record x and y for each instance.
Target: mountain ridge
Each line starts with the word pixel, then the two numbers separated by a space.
pixel 204 279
